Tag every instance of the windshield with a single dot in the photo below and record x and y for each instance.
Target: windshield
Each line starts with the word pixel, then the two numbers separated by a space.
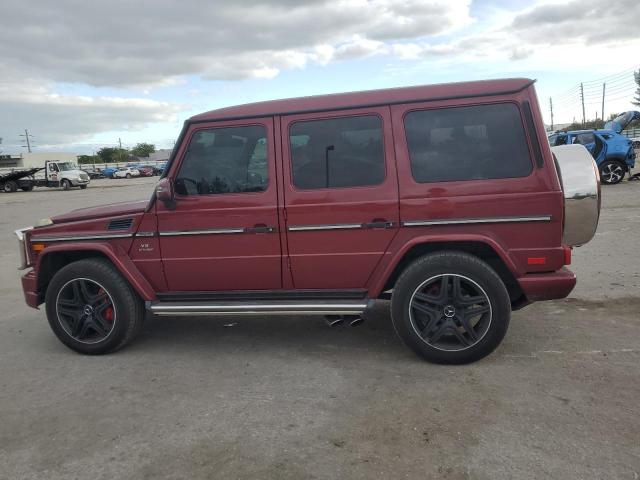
pixel 66 166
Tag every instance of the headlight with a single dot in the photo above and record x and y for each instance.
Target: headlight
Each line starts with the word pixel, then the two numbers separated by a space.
pixel 22 249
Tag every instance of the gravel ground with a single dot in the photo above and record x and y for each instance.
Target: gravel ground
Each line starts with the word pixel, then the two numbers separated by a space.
pixel 289 398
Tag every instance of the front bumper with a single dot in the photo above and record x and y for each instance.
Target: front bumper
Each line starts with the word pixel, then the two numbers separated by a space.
pixel 76 182
pixel 30 289
pixel 547 286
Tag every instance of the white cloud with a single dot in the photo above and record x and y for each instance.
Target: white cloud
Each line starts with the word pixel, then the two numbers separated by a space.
pixel 58 119
pixel 123 43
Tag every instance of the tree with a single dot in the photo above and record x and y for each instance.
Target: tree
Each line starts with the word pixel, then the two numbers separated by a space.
pixel 636 99
pixel 112 154
pixel 84 159
pixel 107 154
pixel 121 155
pixel 143 149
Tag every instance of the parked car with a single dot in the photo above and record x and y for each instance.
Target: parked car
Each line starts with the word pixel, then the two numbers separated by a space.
pixel 445 199
pixel 93 172
pixel 158 169
pixel 614 153
pixel 145 170
pixel 109 171
pixel 126 172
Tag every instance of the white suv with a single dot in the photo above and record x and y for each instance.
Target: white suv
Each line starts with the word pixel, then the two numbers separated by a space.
pixel 127 172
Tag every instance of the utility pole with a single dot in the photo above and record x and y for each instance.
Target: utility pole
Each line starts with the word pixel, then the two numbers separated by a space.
pixel 584 120
pixel 603 89
pixel 551 108
pixel 28 138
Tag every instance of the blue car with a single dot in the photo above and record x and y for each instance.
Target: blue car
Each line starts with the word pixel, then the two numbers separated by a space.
pixel 109 171
pixel 613 152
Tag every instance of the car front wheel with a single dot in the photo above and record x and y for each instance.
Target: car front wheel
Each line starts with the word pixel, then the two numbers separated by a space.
pixel 91 308
pixel 450 307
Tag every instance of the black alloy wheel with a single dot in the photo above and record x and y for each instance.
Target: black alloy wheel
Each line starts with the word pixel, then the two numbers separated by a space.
pixel 85 310
pixel 450 312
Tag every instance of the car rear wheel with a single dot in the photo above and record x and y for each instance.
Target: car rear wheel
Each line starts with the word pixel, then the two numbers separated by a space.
pixel 128 175
pixel 450 307
pixel 612 172
pixel 91 308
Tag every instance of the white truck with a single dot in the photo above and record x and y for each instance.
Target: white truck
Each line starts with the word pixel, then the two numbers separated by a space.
pixel 34 170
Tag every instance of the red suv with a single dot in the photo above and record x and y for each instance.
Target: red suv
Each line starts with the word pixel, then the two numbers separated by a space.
pixel 446 199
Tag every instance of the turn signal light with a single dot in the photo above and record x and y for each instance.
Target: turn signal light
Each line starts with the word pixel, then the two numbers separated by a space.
pixel 567 255
pixel 37 247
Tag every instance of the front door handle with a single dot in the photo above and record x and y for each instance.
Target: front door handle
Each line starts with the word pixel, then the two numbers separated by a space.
pixel 378 223
pixel 260 228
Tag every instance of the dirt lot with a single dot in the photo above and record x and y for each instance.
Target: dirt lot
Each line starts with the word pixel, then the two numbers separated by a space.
pixel 282 398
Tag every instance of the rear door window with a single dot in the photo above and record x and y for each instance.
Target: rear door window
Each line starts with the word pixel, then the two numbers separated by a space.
pixel 467 143
pixel 337 152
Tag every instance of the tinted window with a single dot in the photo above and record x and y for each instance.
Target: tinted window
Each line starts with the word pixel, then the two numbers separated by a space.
pixel 561 140
pixel 467 143
pixel 339 152
pixel 584 138
pixel 225 160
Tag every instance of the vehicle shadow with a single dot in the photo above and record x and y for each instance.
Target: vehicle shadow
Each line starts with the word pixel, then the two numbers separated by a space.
pixel 271 334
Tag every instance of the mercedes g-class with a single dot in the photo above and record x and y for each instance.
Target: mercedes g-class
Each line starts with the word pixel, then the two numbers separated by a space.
pixel 445 199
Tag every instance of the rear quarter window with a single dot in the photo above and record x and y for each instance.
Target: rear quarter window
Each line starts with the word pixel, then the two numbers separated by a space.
pixel 467 143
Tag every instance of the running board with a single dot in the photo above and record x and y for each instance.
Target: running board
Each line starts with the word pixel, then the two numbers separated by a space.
pixel 324 307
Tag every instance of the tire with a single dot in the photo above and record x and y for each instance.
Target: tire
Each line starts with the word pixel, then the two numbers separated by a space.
pixel 83 187
pixel 418 324
pixel 103 282
pixel 612 172
pixel 10 186
pixel 128 175
pixel 65 184
pixel 27 188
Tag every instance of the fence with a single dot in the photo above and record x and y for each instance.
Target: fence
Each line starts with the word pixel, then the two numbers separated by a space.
pixel 632 132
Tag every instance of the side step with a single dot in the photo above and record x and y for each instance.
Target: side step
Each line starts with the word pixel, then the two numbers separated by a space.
pixel 271 307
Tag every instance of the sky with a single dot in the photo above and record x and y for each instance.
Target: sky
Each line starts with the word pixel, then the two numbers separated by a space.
pixel 81 75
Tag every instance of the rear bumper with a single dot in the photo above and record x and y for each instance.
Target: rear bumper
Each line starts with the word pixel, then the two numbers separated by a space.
pixel 547 286
pixel 30 289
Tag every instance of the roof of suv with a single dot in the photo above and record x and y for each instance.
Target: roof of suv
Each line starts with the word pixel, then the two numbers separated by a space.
pixel 368 98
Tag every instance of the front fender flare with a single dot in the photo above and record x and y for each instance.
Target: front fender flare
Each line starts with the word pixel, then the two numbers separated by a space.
pixel 115 254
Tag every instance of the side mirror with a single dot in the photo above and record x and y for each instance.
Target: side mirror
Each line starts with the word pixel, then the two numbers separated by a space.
pixel 164 193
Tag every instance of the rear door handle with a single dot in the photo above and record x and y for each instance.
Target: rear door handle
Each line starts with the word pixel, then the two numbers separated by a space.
pixel 260 228
pixel 378 223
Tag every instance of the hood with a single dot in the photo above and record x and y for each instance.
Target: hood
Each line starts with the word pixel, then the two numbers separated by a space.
pixel 111 210
pixel 621 122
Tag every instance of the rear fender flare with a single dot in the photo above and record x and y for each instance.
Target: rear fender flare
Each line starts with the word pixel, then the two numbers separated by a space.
pixel 116 255
pixel 379 282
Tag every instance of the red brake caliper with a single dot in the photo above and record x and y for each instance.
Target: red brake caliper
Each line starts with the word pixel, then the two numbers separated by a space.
pixel 108 312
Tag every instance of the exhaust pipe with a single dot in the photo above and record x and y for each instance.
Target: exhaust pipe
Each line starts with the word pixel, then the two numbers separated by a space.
pixel 357 320
pixel 335 320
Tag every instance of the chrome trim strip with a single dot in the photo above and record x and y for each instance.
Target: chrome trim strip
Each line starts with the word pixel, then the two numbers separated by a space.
pixel 81 237
pixel 464 221
pixel 336 226
pixel 213 231
pixel 146 234
pixel 280 308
